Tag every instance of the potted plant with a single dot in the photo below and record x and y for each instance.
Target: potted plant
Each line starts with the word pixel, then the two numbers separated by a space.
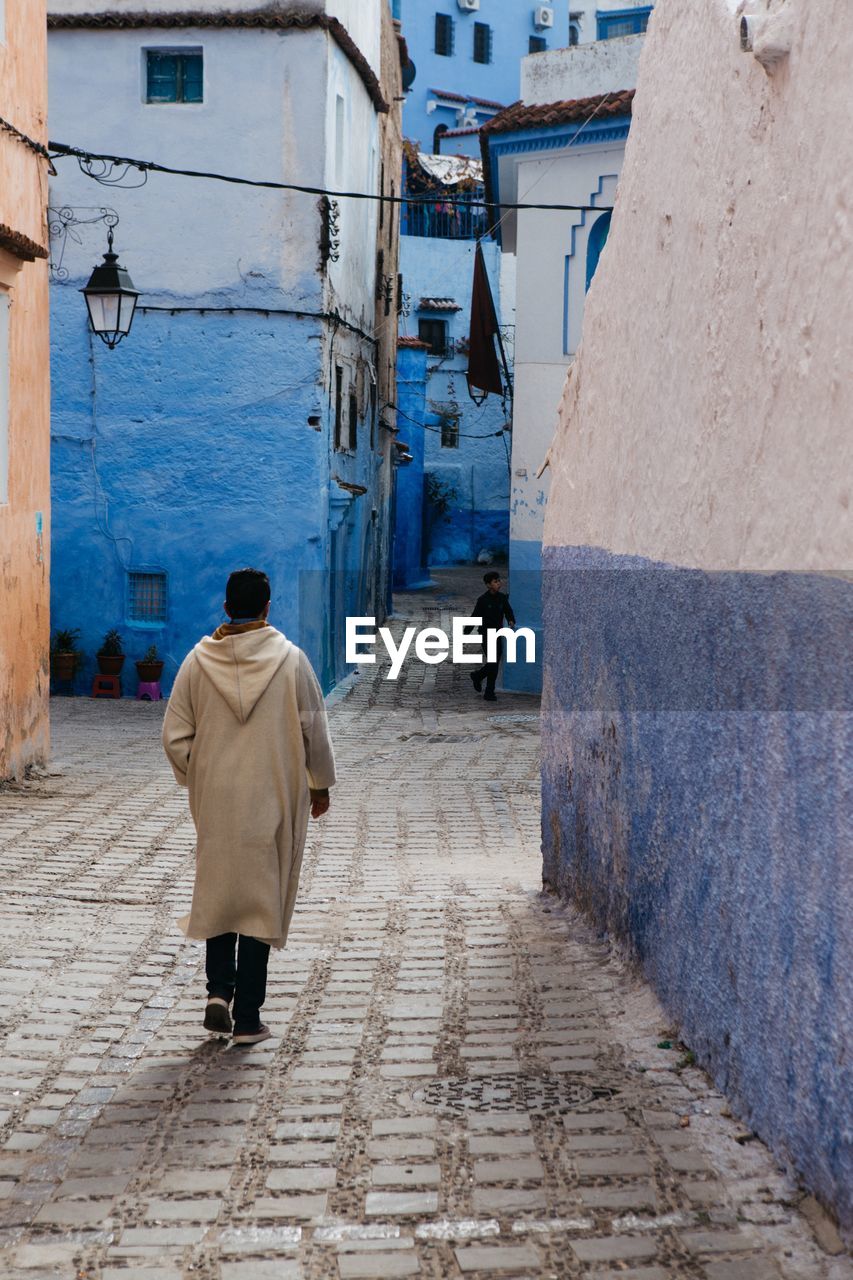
pixel 64 654
pixel 111 654
pixel 149 667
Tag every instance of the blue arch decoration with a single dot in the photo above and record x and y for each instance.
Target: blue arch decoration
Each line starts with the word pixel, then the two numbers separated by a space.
pixel 594 245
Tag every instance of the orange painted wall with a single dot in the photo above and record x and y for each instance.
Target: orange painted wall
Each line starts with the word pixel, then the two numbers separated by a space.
pixel 24 555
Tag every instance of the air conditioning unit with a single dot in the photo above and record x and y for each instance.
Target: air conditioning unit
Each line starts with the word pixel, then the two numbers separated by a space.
pixel 543 16
pixel 468 6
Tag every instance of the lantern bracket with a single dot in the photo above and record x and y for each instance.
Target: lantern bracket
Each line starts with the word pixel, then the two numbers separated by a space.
pixel 65 223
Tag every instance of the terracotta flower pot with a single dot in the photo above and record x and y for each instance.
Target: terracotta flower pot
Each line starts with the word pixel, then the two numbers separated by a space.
pixel 110 664
pixel 64 665
pixel 149 672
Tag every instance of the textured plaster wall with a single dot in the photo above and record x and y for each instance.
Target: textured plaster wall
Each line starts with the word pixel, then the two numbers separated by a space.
pixel 582 70
pixel 25 517
pixel 474 474
pixel 697 604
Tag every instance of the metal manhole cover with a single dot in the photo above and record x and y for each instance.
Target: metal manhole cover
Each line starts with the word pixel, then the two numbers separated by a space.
pixel 521 717
pixel 511 1092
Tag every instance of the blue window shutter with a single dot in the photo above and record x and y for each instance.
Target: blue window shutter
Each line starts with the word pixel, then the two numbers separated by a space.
pixel 193 77
pixel 162 77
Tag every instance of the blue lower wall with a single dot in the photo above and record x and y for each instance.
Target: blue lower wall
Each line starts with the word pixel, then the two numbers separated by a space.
pixel 696 787
pixel 458 537
pixel 525 593
pixel 409 561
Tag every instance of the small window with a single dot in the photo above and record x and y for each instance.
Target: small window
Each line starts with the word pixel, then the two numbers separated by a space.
pixel 574 33
pixel 353 420
pixel 450 433
pixel 537 44
pixel 623 22
pixel 147 602
pixel 482 42
pixel 434 334
pixel 444 35
pixel 174 75
pixel 339 407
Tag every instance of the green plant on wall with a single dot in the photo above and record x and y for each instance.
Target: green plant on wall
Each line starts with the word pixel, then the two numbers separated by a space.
pixel 440 494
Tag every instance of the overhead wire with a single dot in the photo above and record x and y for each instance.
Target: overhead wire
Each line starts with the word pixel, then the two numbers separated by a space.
pixel 60 150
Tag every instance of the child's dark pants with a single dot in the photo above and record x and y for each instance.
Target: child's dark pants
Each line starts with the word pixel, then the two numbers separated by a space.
pixel 245 981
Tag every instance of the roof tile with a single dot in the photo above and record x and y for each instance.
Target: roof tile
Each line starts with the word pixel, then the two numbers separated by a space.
pixel 523 116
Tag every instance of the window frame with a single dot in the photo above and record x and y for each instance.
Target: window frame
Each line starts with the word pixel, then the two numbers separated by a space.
pixel 181 52
pixel 479 37
pixel 444 22
pixel 449 433
pixel 339 407
pixel 145 571
pixel 434 322
pixel 636 19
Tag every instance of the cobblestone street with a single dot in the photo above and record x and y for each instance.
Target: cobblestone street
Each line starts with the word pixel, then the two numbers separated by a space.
pixel 461 1080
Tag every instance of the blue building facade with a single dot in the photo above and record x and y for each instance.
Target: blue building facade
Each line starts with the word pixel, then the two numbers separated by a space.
pixel 467 64
pixel 466 446
pixel 247 418
pixel 410 572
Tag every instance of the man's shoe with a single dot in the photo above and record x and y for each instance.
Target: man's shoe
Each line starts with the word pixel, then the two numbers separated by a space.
pixel 477 681
pixel 489 697
pixel 216 1016
pixel 252 1037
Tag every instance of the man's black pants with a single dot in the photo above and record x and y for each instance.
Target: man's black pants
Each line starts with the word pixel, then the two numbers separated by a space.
pixel 489 670
pixel 245 981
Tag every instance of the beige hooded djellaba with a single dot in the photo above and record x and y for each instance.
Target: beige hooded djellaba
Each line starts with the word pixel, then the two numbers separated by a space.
pixel 246 731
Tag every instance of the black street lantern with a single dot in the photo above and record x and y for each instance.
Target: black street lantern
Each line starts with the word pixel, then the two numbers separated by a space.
pixel 111 298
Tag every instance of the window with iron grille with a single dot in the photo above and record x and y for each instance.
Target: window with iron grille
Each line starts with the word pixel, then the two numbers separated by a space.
pixel 482 42
pixel 444 35
pixel 174 75
pixel 147 597
pixel 574 33
pixel 434 334
pixel 449 433
pixel 537 44
pixel 623 22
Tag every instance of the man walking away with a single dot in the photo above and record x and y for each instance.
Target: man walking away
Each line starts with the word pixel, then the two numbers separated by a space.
pixel 246 731
pixel 493 607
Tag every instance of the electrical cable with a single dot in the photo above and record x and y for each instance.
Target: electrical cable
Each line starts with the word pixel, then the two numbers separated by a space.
pixel 60 150
pixel 425 426
pixel 38 147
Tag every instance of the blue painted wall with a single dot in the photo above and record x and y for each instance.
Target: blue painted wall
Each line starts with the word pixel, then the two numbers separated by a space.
pixel 525 592
pixel 188 449
pixel 696 783
pixel 498 81
pixel 409 568
pixel 475 474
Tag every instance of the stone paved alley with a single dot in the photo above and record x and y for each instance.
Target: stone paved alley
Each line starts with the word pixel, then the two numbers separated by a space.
pixel 461 1081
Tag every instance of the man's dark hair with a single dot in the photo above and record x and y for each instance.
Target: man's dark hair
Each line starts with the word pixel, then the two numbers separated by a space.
pixel 490 576
pixel 247 593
